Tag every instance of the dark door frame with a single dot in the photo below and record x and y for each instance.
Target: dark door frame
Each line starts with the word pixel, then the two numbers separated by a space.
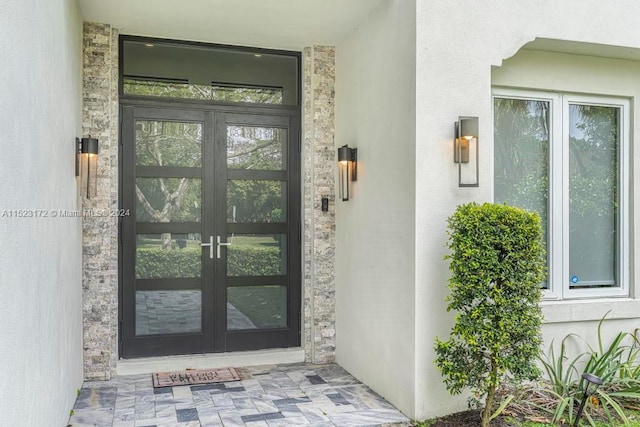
pixel 235 340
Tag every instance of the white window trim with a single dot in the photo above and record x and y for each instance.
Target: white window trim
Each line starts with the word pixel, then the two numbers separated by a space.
pixel 558 230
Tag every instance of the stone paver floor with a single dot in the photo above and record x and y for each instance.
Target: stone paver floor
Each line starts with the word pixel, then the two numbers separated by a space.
pixel 267 396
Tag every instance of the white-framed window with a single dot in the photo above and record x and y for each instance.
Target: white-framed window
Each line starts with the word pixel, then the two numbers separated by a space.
pixel 566 157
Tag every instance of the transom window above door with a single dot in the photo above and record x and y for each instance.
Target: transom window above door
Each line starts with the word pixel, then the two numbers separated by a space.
pixel 566 157
pixel 162 68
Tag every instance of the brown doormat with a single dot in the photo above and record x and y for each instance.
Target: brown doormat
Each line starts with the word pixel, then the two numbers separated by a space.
pixel 193 376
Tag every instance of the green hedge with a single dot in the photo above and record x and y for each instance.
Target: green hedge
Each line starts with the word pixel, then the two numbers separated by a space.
pixel 153 263
pixel 497 263
pixel 246 261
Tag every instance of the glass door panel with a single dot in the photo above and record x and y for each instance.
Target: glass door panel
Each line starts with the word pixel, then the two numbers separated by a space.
pixel 261 283
pixel 168 312
pixel 162 253
pixel 164 195
pixel 256 307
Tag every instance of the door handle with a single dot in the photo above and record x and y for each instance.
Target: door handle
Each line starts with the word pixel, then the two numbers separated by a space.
pixel 210 245
pixel 218 244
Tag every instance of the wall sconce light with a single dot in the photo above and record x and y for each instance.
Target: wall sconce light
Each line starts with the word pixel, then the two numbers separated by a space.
pixel 347 169
pixel 465 145
pixel 87 165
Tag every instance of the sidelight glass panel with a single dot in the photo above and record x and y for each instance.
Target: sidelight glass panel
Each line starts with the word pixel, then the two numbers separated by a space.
pixel 168 312
pixel 261 148
pixel 521 153
pixel 168 143
pixel 256 201
pixel 168 199
pixel 593 198
pixel 257 255
pixel 255 307
pixel 168 255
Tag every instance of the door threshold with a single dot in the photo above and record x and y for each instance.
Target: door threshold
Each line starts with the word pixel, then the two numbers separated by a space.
pixel 147 365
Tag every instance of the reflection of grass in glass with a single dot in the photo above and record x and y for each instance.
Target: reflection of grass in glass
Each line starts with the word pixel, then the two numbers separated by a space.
pixel 253 242
pixel 265 306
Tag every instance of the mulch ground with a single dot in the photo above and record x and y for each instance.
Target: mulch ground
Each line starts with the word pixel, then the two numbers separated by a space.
pixel 468 419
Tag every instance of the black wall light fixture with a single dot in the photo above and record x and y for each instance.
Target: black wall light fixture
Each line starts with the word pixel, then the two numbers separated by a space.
pixel 347 169
pixel 87 165
pixel 465 146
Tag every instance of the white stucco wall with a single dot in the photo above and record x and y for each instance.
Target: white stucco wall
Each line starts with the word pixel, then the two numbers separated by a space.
pixel 40 258
pixel 375 112
pixel 458 42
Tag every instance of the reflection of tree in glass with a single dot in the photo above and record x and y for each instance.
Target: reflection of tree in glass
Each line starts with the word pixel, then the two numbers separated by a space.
pixel 162 143
pixel 521 137
pixel 168 199
pixel 250 147
pixel 593 193
pixel 256 201
pixel 256 148
pixel 521 150
pixel 593 146
pixel 225 93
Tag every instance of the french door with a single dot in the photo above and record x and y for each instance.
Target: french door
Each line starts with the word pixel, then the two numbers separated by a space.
pixel 210 250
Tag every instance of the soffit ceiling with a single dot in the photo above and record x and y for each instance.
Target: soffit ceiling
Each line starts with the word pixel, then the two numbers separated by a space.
pixel 579 48
pixel 281 24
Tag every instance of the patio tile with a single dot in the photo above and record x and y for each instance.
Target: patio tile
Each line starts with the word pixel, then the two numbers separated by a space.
pixel 290 411
pixel 163 390
pixel 314 414
pixel 223 400
pixel 289 421
pixel 268 396
pixel 124 415
pixel 207 387
pixel 243 403
pixel 96 397
pixel 92 417
pixel 315 379
pixel 190 414
pixel 205 422
pixel 165 411
pixel 182 392
pixel 231 419
pixel 261 417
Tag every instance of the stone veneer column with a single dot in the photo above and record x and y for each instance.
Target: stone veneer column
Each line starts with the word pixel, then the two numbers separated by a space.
pixel 100 233
pixel 319 181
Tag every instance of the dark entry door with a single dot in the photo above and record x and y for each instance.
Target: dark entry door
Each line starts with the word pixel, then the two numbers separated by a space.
pixel 210 253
